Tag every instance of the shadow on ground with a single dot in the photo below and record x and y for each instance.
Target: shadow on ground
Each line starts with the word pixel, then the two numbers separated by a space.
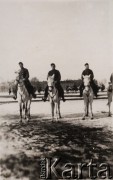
pixel 72 143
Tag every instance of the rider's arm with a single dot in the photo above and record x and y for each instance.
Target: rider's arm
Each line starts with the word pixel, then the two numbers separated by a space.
pixel 59 76
pixel 92 75
pixel 27 74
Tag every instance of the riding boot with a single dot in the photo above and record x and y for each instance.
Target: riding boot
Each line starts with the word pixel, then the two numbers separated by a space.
pixel 15 96
pixel 15 91
pixel 63 98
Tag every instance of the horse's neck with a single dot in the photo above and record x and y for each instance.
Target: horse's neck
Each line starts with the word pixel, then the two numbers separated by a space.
pixel 22 90
pixel 54 92
pixel 90 90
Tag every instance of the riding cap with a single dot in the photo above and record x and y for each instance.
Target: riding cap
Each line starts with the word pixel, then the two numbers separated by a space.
pixel 86 64
pixel 52 64
pixel 20 63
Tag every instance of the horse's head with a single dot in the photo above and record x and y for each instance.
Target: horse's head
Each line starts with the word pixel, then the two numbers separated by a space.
pixel 51 83
pixel 20 82
pixel 86 80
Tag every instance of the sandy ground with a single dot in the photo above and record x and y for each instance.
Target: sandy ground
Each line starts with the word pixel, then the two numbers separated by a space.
pixel 73 139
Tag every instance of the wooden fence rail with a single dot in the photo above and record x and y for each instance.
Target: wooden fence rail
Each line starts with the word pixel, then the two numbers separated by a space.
pixel 5 98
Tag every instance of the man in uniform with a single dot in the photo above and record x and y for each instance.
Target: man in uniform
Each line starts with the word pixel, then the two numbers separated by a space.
pixel 88 71
pixel 57 78
pixel 23 74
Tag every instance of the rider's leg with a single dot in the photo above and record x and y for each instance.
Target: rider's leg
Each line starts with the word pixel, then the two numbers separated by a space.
pixel 81 89
pixel 30 88
pixel 61 91
pixel 94 87
pixel 45 94
pixel 15 90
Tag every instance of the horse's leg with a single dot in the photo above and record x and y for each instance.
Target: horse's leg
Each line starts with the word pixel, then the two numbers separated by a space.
pixel 20 106
pixel 109 102
pixel 24 109
pixel 109 105
pixel 56 108
pixel 59 109
pixel 52 110
pixel 28 109
pixel 85 107
pixel 87 110
pixel 91 109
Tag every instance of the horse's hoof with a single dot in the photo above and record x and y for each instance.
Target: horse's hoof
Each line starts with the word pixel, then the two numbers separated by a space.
pixel 92 117
pixel 83 118
pixel 27 119
pixel 52 119
pixel 109 115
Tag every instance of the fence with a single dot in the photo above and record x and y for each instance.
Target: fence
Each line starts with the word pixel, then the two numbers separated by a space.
pixel 5 98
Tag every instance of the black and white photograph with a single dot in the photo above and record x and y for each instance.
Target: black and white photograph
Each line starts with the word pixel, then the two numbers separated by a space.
pixel 56 89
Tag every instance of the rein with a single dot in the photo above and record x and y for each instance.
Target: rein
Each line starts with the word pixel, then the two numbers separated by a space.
pixel 54 94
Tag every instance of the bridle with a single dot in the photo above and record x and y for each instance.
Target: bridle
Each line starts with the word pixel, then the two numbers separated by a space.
pixel 20 83
pixel 50 91
pixel 88 87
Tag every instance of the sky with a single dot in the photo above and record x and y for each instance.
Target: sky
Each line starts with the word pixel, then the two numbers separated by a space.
pixel 66 32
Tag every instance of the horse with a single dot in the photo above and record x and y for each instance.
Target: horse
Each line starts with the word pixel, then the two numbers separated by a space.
pixel 54 98
pixel 109 95
pixel 88 96
pixel 24 99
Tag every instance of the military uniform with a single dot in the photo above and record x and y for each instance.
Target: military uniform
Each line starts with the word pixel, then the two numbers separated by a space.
pixel 57 78
pixel 93 85
pixel 87 72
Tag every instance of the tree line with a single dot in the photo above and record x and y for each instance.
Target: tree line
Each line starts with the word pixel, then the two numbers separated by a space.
pixel 68 85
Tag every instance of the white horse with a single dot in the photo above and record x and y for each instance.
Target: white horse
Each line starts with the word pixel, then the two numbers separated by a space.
pixel 53 98
pixel 88 96
pixel 24 99
pixel 109 94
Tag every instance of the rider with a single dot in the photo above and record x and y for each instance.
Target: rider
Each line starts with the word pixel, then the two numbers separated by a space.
pixel 23 74
pixel 57 78
pixel 88 71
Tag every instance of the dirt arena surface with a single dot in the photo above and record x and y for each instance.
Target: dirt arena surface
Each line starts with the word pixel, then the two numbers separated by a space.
pixel 73 139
